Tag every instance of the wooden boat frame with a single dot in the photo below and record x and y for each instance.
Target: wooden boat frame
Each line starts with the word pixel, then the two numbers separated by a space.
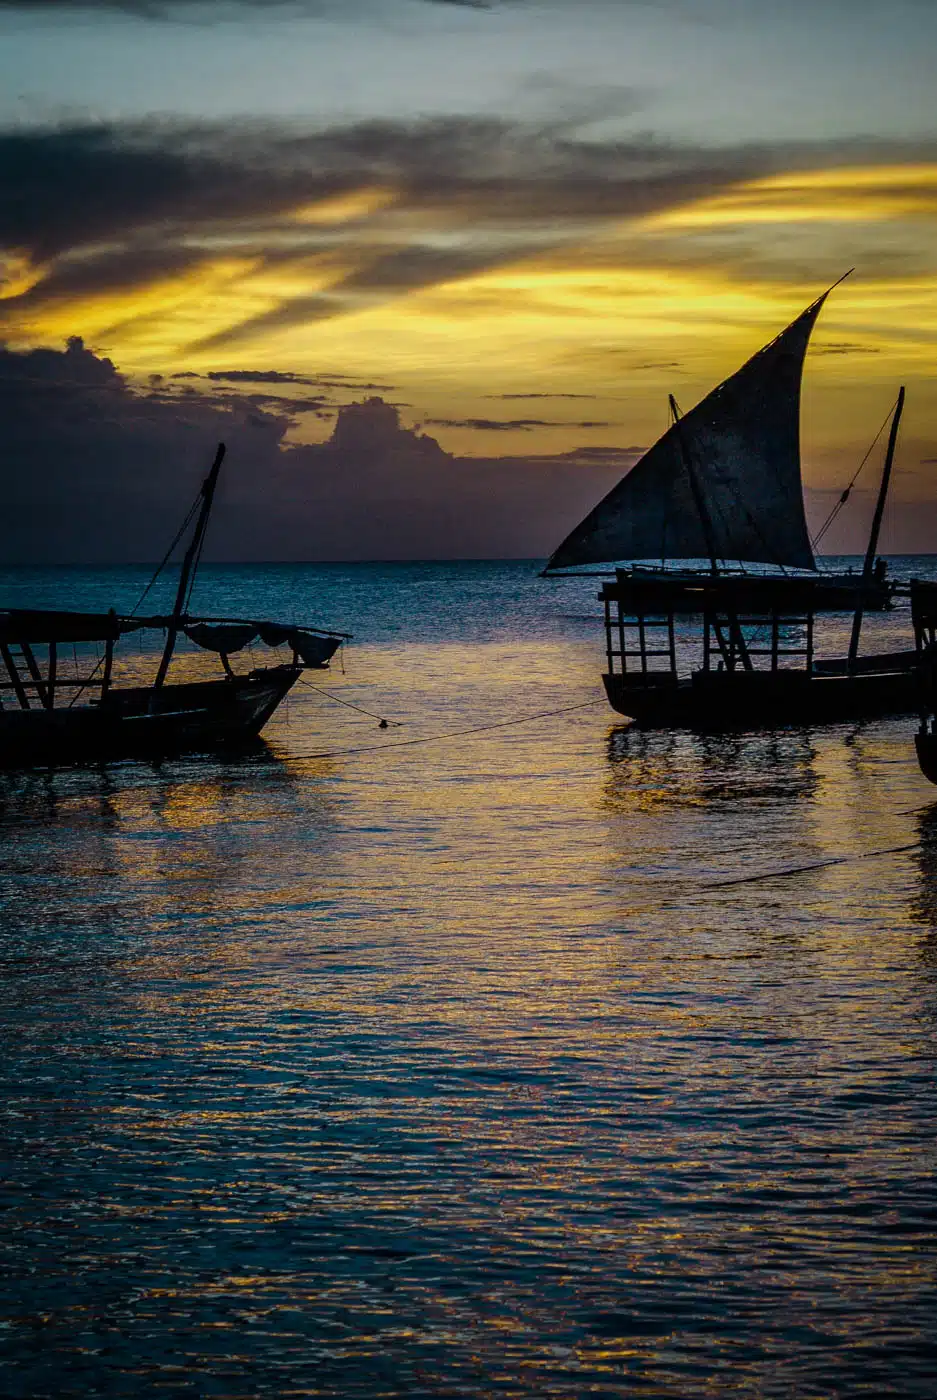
pixel 45 726
pixel 835 592
pixel 150 720
pixel 759 665
pixel 741 683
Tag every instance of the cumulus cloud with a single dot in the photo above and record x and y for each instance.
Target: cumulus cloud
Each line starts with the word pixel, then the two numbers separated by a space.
pixel 95 469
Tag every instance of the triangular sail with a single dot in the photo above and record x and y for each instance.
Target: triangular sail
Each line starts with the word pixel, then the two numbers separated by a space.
pixel 724 481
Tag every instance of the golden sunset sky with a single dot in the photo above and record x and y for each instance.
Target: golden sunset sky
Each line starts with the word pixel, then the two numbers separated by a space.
pixel 529 220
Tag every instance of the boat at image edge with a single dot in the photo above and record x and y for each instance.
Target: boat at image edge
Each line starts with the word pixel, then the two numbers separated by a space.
pixel 924 618
pixel 160 719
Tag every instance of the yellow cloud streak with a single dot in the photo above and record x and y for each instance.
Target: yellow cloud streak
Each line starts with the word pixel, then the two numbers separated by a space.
pixel 18 276
pixel 167 302
pixel 838 196
pixel 852 177
pixel 345 208
pixel 646 305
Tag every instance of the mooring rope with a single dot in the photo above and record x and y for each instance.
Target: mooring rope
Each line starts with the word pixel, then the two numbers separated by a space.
pixel 811 865
pixel 330 695
pixel 438 738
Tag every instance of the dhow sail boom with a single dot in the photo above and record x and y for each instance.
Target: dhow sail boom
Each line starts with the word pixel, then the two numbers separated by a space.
pixel 723 482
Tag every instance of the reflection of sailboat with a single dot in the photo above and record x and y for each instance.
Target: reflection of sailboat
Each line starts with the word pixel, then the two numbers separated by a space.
pixel 723 484
pixel 124 721
pixel 650 769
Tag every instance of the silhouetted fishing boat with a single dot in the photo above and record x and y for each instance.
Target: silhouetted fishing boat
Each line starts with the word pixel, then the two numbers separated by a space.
pixel 60 719
pixel 924 618
pixel 723 484
pixel 757 668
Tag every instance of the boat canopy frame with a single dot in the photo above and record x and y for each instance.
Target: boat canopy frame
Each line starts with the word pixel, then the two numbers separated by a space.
pixel 735 614
pixel 24 629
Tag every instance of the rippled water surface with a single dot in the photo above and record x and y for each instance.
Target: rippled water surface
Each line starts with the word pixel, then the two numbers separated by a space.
pixel 464 1068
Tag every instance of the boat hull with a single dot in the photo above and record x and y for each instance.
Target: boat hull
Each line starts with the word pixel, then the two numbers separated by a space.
pixel 680 589
pixel 925 742
pixel 139 722
pixel 718 700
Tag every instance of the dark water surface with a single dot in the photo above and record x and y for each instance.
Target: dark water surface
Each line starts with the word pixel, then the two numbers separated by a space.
pixel 458 1069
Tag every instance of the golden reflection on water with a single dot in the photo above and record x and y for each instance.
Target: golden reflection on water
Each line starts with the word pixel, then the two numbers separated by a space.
pixel 457 1069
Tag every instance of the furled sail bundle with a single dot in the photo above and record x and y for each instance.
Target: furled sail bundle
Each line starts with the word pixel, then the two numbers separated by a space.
pixel 723 483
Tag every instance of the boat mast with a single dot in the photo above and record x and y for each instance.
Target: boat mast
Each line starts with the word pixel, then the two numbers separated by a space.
pixel 869 564
pixel 698 498
pixel 189 565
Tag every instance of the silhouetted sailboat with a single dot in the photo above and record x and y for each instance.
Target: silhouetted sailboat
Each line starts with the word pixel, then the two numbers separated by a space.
pixel 121 721
pixel 723 484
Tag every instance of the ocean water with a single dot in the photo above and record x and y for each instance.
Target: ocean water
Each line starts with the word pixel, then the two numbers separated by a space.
pixel 541 1060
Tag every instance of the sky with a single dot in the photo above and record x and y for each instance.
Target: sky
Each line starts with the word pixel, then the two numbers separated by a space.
pixel 523 223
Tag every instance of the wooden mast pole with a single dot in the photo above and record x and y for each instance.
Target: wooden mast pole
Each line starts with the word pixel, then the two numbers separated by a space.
pixel 189 564
pixel 869 564
pixel 698 498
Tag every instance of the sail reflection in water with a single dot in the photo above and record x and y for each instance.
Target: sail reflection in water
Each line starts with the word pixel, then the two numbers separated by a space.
pixel 456 1070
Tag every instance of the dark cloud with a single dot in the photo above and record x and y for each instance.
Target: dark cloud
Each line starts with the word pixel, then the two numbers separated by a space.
pixel 279 376
pixel 258 376
pixel 844 347
pixel 103 207
pixel 276 376
pixel 620 358
pixel 276 403
pixel 507 425
pixel 541 395
pixel 596 453
pixel 93 469
pixel 213 9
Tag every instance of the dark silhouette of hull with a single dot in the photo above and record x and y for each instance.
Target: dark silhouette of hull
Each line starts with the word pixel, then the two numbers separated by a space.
pixel 925 742
pixel 140 722
pixel 680 588
pixel 716 700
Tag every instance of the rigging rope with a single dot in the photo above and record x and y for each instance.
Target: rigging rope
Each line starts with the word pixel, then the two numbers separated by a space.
pixel 845 495
pixel 396 723
pixel 166 557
